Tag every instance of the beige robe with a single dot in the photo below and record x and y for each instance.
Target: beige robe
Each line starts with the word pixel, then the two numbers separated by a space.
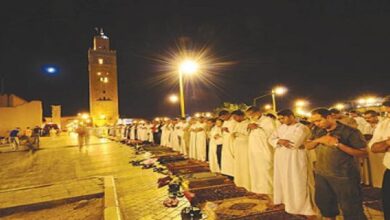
pixel 227 163
pixel 292 172
pixel 261 156
pixel 240 151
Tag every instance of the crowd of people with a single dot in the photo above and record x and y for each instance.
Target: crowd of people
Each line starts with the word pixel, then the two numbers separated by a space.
pixel 28 136
pixel 310 165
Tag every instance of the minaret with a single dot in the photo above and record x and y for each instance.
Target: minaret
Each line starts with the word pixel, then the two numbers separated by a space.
pixel 103 81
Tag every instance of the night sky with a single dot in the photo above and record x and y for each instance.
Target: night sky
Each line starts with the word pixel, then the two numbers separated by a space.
pixel 325 51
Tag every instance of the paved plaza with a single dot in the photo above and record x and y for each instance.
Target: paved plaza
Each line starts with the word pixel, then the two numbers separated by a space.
pixel 60 160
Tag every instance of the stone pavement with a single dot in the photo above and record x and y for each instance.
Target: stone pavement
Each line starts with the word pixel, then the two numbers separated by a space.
pixel 60 159
pixel 45 195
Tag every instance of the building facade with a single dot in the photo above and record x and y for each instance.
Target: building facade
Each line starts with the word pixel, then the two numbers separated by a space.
pixel 103 82
pixel 17 112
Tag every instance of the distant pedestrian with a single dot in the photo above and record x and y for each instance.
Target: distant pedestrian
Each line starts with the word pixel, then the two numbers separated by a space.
pixel 14 138
pixel 34 143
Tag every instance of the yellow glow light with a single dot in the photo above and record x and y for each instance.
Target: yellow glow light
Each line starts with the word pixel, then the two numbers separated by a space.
pixel 279 90
pixel 371 100
pixel 361 101
pixel 188 67
pixel 84 116
pixel 301 103
pixel 340 106
pixel 100 60
pixel 173 98
pixel 197 115
pixel 267 107
pixel 208 115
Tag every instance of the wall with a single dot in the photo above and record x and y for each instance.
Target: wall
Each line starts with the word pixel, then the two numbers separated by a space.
pixel 24 115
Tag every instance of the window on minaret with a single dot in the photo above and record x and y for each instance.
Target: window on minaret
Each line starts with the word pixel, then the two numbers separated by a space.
pixel 99 73
pixel 100 60
pixel 103 79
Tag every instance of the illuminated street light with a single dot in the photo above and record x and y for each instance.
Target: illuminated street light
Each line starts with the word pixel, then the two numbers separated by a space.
pixel 267 107
pixel 186 67
pixel 85 116
pixel 173 98
pixel 279 90
pixel 301 103
pixel 340 106
pixel 369 101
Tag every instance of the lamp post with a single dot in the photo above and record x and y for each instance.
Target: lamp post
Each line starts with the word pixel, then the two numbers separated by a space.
pixel 279 90
pixel 186 67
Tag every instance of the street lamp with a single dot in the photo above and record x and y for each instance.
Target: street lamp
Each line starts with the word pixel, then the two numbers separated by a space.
pixel 300 103
pixel 279 90
pixel 339 106
pixel 173 98
pixel 188 67
pixel 267 107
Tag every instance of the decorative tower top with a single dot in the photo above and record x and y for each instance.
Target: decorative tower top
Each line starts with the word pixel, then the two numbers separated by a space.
pixel 100 41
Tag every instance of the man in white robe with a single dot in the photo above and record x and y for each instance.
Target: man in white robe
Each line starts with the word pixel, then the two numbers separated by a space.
pixel 215 143
pixel 380 143
pixel 192 145
pixel 164 133
pixel 200 141
pixel 375 159
pixel 182 125
pixel 240 135
pixel 133 131
pixel 291 166
pixel 174 141
pixel 261 153
pixel 227 163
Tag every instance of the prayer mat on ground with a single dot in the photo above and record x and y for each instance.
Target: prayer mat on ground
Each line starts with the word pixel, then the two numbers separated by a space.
pixel 246 208
pixel 372 197
pixel 212 193
pixel 204 179
pixel 157 148
pixel 190 170
pixel 187 166
pixel 170 159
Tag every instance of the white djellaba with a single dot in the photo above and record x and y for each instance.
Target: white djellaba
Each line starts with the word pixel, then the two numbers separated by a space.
pixel 227 164
pixel 292 170
pixel 240 151
pixel 261 156
pixel 215 139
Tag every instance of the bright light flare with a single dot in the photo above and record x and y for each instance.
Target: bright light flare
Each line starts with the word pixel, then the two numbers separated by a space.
pixel 267 107
pixel 301 103
pixel 189 67
pixel 279 90
pixel 302 112
pixel 173 98
pixel 340 106
pixel 84 116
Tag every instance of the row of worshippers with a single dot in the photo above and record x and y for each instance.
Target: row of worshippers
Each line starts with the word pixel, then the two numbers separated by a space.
pixel 278 160
pixel 266 158
pixel 142 131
